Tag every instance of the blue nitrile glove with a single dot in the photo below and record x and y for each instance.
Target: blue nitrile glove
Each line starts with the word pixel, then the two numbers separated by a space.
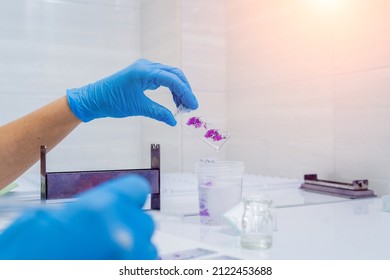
pixel 122 94
pixel 106 222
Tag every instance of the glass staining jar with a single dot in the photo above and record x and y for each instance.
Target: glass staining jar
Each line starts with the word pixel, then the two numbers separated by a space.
pixel 257 223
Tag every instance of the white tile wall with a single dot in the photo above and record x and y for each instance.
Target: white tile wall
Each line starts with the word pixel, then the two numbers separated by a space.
pixel 48 46
pixel 302 87
pixel 362 36
pixel 189 35
pixel 311 84
pixel 160 41
pixel 204 60
pixel 282 128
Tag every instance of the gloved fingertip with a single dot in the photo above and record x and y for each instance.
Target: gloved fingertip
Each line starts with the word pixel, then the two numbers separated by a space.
pixel 171 122
pixel 133 186
pixel 162 114
pixel 195 104
pixel 168 120
pixel 190 102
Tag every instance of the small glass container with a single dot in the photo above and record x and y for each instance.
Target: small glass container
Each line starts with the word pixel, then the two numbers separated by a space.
pixel 201 128
pixel 257 223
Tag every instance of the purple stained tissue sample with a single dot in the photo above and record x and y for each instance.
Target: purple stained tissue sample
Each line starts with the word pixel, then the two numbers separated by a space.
pixel 203 209
pixel 209 184
pixel 214 134
pixel 195 122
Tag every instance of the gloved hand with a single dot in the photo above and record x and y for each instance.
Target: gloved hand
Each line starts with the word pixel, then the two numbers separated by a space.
pixel 106 222
pixel 122 94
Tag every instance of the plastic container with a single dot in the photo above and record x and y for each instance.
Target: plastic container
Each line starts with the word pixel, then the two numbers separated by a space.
pixel 219 188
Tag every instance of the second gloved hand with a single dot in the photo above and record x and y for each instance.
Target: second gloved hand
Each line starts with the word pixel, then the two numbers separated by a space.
pixel 122 94
pixel 106 222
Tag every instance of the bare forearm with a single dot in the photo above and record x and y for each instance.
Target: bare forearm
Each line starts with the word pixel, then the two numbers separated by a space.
pixel 20 140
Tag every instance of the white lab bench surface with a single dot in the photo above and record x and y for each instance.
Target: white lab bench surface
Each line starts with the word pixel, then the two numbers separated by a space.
pixel 353 229
pixel 309 225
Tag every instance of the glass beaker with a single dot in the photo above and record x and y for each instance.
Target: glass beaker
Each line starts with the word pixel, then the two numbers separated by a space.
pixel 201 128
pixel 257 223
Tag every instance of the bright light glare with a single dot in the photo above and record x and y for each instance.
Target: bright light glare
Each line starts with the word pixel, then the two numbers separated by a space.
pixel 327 4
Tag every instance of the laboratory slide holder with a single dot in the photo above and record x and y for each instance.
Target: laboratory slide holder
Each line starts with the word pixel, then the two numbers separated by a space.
pixel 65 185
